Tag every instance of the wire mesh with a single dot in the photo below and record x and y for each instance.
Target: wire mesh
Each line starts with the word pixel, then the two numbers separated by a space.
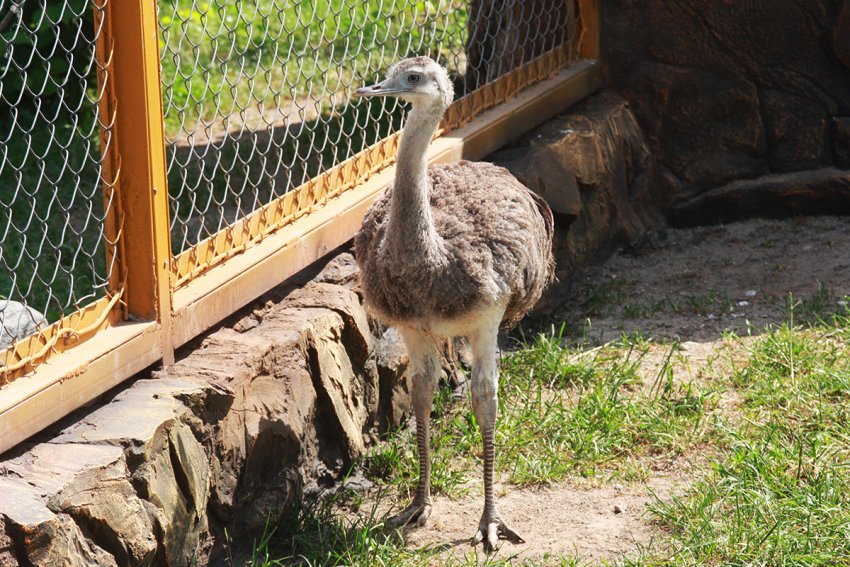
pixel 53 207
pixel 256 94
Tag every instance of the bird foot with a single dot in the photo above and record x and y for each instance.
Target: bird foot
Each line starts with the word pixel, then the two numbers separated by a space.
pixel 491 531
pixel 415 514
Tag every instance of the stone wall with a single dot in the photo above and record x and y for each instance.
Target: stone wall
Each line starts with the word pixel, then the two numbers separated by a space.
pixel 283 396
pixel 736 99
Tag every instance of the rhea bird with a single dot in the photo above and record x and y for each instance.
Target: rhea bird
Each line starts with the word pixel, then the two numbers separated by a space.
pixel 455 250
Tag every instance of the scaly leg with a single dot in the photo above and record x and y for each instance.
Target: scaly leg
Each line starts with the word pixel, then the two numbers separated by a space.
pixel 485 403
pixel 425 365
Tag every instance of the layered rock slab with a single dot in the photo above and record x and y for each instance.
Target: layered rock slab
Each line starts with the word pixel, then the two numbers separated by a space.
pixel 594 168
pixel 226 438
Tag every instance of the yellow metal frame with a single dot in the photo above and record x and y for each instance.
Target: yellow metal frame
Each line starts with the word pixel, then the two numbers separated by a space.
pixel 157 302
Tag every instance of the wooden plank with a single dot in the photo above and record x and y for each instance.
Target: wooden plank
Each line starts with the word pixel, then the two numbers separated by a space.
pixel 71 379
pixel 61 335
pixel 133 101
pixel 221 291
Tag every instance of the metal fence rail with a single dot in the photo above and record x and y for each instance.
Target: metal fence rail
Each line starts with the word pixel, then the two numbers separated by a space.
pixel 151 187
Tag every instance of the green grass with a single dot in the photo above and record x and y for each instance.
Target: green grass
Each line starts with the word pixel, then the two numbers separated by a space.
pixel 285 51
pixel 773 480
pixel 780 495
pixel 560 415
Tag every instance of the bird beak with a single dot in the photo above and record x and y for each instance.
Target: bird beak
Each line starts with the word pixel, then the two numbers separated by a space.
pixel 384 88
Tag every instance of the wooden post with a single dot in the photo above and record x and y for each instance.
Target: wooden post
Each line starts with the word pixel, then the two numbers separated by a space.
pixel 134 161
pixel 590 47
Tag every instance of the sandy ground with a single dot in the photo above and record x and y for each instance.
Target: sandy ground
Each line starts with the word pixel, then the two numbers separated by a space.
pixel 690 285
pixel 603 523
pixel 694 284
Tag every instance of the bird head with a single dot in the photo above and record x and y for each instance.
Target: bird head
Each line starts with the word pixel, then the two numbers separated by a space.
pixel 420 81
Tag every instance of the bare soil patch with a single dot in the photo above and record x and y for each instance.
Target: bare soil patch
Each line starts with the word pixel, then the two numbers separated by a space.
pixel 694 284
pixel 602 523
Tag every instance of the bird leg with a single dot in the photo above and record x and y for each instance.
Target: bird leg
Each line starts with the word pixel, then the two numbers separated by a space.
pixel 484 387
pixel 425 364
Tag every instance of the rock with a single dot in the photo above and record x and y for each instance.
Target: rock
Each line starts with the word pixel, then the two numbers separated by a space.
pixel 592 165
pixel 7 548
pixel 619 509
pixel 40 537
pixel 344 302
pixel 89 484
pixel 17 321
pixel 175 478
pixel 797 130
pixel 332 376
pixel 392 362
pixel 342 270
pixel 822 191
pixel 224 439
pixel 748 91
pixel 107 505
pixel 705 126
pixel 357 483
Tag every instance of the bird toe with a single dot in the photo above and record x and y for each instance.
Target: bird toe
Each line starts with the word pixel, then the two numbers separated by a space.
pixel 491 532
pixel 415 514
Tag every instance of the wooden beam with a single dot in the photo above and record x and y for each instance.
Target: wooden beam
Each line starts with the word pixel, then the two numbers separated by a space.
pixel 132 104
pixel 214 295
pixel 590 46
pixel 71 379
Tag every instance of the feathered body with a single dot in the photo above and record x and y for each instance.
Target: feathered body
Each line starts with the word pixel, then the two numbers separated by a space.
pixel 450 250
pixel 496 240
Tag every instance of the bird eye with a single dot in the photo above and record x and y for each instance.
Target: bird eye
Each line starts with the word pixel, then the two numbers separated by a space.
pixel 414 78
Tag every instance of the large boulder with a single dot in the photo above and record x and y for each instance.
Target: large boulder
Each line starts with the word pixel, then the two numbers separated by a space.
pixel 592 165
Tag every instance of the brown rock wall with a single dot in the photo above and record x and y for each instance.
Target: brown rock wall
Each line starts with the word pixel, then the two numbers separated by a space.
pixel 729 91
pixel 227 438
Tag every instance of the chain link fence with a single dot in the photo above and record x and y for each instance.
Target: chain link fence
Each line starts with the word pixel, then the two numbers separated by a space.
pixel 256 99
pixel 53 208
pixel 256 94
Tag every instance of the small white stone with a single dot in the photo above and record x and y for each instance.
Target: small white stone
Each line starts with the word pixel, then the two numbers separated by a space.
pixel 750 293
pixel 17 321
pixel 743 303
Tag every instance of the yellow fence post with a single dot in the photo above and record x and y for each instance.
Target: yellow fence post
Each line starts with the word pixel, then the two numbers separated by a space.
pixel 135 161
pixel 590 47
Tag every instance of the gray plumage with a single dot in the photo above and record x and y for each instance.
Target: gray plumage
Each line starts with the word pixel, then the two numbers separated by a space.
pixel 450 250
pixel 497 237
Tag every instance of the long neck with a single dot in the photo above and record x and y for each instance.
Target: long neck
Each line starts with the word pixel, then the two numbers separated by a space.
pixel 411 226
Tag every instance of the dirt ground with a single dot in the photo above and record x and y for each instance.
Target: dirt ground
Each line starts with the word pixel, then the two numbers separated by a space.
pixel 689 285
pixel 694 284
